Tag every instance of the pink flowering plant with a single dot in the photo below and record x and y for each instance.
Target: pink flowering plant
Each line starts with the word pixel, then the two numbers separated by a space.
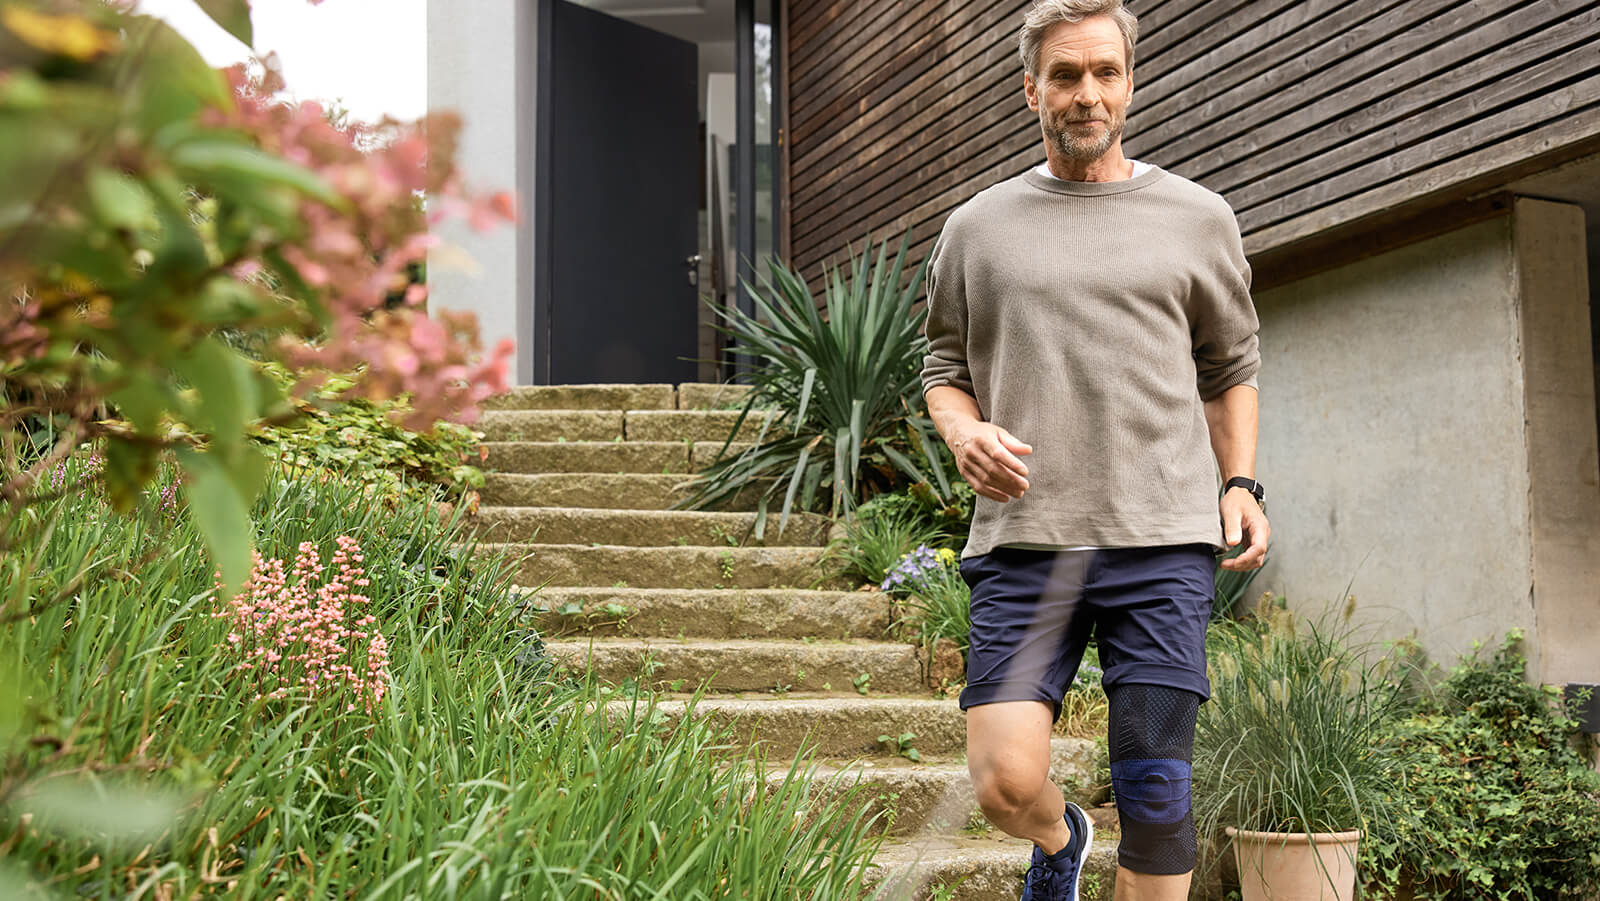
pixel 168 226
pixel 307 630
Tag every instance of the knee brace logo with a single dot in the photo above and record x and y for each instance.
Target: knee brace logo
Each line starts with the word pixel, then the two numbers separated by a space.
pixel 1151 791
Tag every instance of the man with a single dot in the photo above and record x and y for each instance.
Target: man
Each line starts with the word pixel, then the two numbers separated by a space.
pixel 1094 316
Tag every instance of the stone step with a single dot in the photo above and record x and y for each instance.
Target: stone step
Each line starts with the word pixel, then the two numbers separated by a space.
pixel 552 425
pixel 709 395
pixel 936 795
pixel 586 397
pixel 628 491
pixel 710 612
pixel 645 528
pixel 976 868
pixel 743 664
pixel 694 425
pixel 837 725
pixel 607 456
pixel 668 567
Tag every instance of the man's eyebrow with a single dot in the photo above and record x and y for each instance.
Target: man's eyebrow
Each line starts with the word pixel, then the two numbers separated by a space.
pixel 1097 62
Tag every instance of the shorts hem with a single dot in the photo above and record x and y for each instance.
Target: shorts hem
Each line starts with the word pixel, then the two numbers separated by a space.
pixel 1159 674
pixel 995 692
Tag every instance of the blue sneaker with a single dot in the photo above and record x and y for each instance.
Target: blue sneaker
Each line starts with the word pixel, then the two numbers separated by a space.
pixel 1044 882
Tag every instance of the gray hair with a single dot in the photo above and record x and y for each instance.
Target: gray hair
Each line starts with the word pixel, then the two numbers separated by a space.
pixel 1047 13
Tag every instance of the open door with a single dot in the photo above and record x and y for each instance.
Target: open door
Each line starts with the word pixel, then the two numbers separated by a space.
pixel 620 195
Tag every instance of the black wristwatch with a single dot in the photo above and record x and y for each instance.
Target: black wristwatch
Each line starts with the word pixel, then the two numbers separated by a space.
pixel 1250 485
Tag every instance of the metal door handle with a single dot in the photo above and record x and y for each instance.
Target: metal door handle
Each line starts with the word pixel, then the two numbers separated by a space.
pixel 692 263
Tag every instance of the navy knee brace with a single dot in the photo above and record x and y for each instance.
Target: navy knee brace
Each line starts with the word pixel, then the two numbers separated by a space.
pixel 1152 745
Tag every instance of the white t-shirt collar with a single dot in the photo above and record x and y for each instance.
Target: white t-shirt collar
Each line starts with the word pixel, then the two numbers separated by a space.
pixel 1138 169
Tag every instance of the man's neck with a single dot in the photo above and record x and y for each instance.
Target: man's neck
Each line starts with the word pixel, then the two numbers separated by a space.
pixel 1112 166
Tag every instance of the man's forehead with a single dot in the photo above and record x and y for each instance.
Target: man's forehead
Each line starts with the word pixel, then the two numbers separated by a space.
pixel 1096 38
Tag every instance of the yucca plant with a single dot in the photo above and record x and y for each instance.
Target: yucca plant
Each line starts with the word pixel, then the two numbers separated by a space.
pixel 840 386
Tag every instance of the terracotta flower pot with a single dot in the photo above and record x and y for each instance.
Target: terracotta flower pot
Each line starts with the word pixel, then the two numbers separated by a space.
pixel 1280 866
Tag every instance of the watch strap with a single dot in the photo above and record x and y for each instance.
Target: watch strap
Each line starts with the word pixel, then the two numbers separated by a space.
pixel 1250 485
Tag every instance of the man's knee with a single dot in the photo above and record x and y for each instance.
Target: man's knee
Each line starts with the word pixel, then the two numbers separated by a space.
pixel 1152 744
pixel 1006 790
pixel 1008 755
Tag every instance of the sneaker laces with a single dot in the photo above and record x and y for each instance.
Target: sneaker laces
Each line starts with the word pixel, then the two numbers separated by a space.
pixel 1045 884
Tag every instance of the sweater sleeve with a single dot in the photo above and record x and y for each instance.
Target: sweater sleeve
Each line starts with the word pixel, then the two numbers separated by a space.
pixel 946 326
pixel 1226 347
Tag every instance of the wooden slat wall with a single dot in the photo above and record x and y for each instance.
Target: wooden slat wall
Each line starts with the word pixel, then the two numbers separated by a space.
pixel 1307 115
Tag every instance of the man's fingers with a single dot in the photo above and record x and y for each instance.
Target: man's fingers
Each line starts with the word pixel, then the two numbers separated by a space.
pixel 994 481
pixel 991 467
pixel 1260 532
pixel 1230 527
pixel 994 471
pixel 1012 444
pixel 1006 459
pixel 1254 555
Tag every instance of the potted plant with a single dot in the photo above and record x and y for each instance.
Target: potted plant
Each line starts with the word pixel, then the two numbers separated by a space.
pixel 1291 756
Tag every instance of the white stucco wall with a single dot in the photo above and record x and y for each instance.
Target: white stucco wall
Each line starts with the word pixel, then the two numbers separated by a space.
pixel 1395 448
pixel 480 55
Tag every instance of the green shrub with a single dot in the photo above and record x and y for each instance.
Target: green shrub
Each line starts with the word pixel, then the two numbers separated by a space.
pixel 875 541
pixel 1498 801
pixel 475 777
pixel 839 385
pixel 949 520
pixel 364 441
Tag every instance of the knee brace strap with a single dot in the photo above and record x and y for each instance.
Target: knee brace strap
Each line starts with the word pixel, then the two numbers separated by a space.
pixel 1152 734
pixel 1151 791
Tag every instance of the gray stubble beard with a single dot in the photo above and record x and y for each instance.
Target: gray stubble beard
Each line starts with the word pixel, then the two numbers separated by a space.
pixel 1062 141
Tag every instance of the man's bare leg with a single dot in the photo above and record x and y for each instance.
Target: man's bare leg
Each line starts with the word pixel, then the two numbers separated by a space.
pixel 1008 757
pixel 1133 886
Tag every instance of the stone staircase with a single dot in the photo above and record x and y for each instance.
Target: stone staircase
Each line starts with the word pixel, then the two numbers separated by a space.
pixel 633 590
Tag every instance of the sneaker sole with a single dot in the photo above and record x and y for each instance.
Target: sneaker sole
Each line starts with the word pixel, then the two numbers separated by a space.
pixel 1088 842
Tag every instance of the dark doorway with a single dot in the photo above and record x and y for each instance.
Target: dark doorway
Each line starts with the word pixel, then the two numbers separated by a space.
pixel 617 196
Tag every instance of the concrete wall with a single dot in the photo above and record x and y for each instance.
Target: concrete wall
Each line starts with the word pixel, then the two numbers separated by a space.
pixel 480 64
pixel 1405 400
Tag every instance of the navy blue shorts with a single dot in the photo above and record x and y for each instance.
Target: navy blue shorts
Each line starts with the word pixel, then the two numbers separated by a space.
pixel 1033 612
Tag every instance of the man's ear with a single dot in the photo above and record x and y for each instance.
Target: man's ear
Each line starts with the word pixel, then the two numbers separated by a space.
pixel 1031 91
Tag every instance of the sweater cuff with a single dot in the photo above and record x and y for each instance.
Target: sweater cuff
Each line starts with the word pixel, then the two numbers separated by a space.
pixel 936 372
pixel 1244 373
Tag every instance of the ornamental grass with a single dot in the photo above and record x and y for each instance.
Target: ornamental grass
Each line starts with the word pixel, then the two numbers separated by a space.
pixel 138 759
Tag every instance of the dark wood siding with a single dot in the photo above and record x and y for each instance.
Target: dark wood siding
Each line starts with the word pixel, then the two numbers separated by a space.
pixel 1309 116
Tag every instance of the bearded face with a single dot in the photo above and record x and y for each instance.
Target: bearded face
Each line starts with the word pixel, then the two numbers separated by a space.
pixel 1079 133
pixel 1081 90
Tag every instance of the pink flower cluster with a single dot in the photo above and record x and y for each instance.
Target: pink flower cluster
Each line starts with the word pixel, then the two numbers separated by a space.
pixel 357 255
pixel 169 498
pixel 92 467
pixel 297 636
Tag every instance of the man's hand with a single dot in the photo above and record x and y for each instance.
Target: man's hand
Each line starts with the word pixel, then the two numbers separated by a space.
pixel 986 456
pixel 1241 513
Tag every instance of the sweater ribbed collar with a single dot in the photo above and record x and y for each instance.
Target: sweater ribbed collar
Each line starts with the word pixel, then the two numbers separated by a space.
pixel 1094 188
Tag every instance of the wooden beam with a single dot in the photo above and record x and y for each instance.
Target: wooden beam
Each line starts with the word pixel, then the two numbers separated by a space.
pixel 1464 177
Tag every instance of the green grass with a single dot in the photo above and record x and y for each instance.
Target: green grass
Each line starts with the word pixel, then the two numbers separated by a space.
pixel 476 777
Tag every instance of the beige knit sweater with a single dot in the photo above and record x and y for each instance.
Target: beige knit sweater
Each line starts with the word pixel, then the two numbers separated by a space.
pixel 1091 320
